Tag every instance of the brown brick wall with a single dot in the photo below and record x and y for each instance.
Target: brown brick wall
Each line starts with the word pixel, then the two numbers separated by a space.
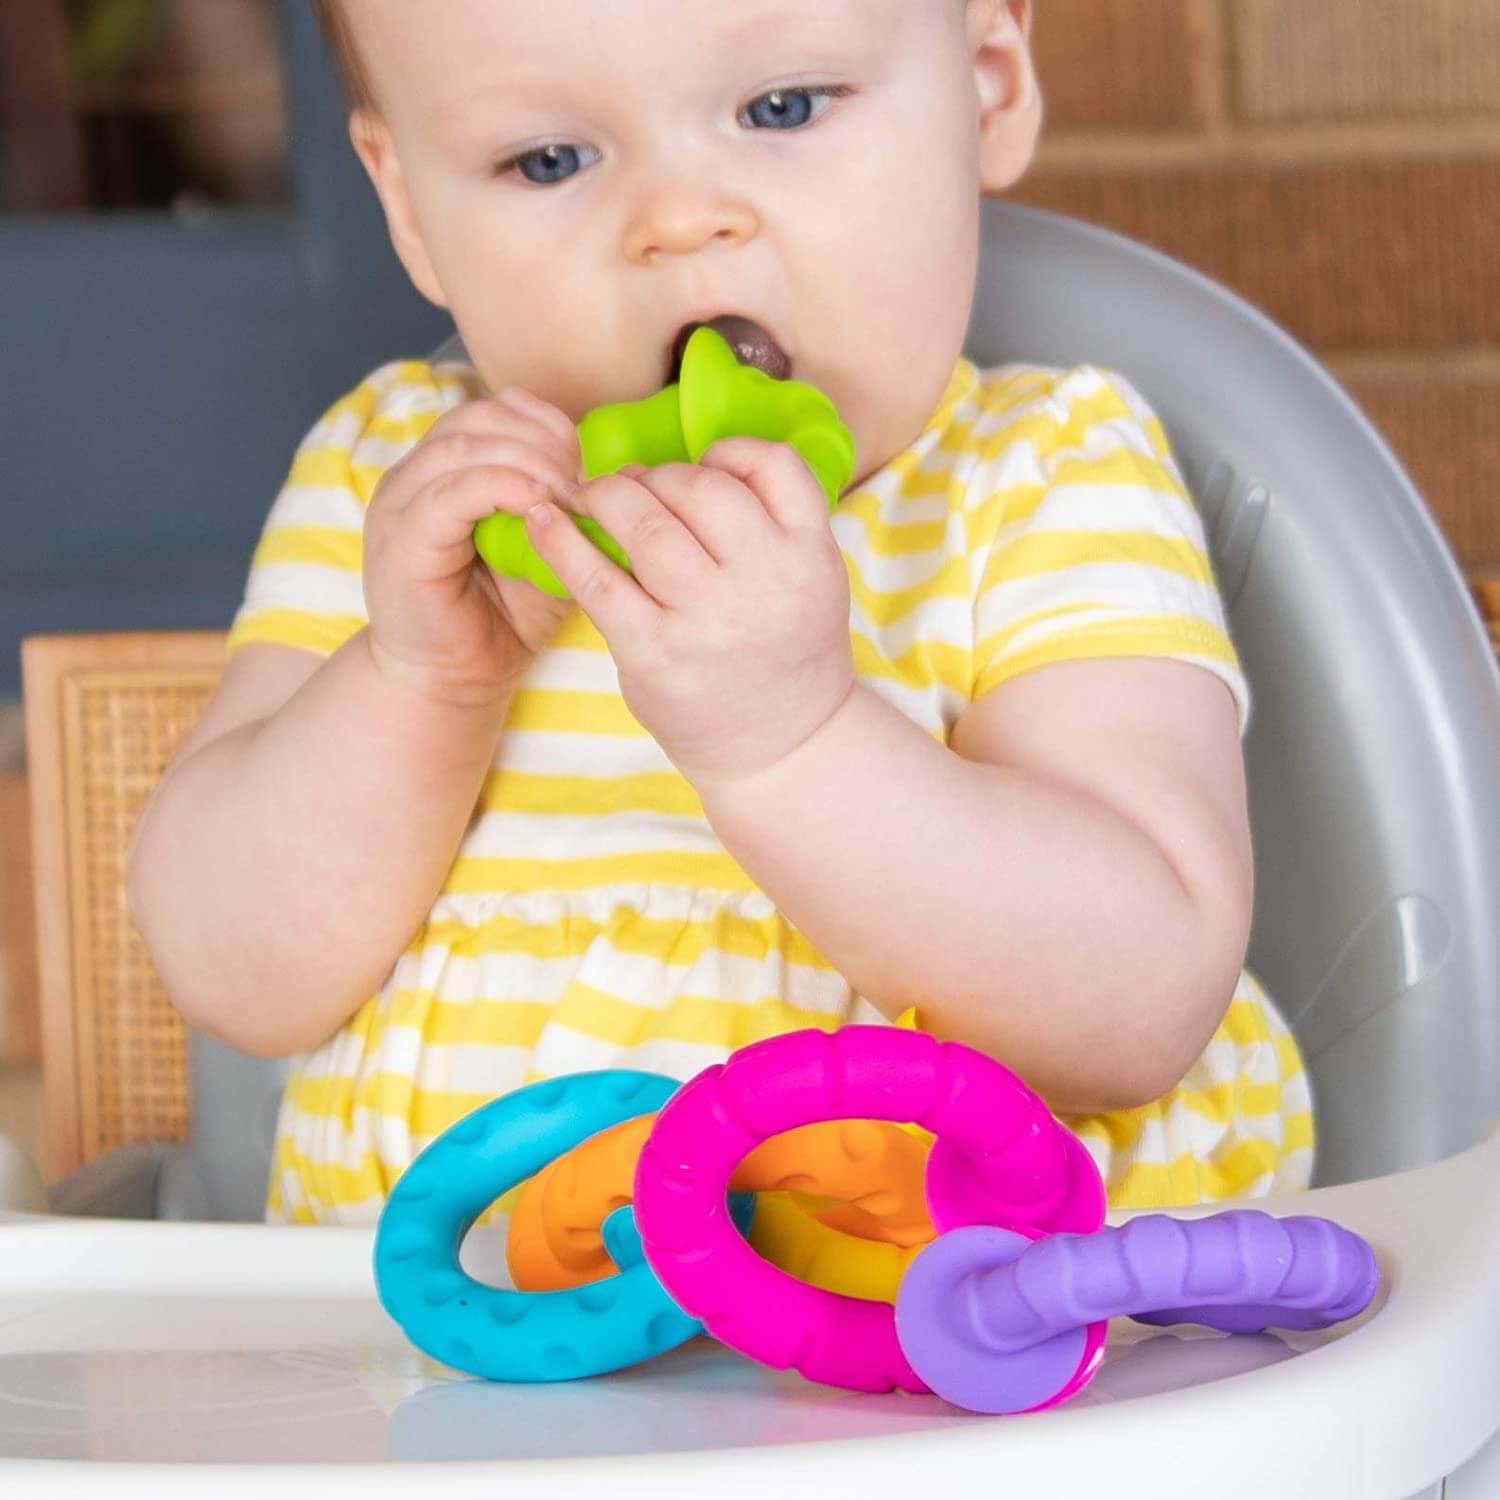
pixel 1337 163
pixel 1308 60
pixel 1131 64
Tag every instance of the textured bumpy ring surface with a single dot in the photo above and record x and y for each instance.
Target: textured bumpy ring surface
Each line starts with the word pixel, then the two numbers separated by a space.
pixel 520 1336
pixel 875 1169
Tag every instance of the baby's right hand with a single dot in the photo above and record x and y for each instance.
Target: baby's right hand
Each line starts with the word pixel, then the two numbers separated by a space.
pixel 440 619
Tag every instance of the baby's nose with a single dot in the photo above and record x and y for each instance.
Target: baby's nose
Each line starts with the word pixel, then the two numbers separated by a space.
pixel 688 220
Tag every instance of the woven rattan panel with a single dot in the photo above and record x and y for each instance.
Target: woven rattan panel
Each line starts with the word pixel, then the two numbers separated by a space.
pixel 121 729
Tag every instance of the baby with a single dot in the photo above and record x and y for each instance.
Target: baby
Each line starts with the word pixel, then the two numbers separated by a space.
pixel 972 743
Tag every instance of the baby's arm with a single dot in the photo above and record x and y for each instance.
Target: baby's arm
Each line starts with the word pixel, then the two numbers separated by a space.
pixel 306 825
pixel 1070 891
pixel 298 839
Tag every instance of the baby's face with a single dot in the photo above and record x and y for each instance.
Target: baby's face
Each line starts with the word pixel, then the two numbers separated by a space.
pixel 577 179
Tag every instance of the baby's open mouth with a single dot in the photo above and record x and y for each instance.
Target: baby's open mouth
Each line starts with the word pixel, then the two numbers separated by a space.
pixel 751 343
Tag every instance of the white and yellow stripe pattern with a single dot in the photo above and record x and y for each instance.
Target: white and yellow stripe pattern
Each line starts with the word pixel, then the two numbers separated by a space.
pixel 592 919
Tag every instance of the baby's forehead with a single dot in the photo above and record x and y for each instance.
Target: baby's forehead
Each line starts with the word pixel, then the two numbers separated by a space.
pixel 537 43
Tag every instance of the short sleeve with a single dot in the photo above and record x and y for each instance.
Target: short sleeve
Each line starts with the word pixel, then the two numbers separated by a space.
pixel 1094 546
pixel 305 586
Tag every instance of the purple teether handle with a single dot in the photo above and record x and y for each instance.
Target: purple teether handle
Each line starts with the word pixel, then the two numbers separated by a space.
pixel 987 1321
pixel 1243 1271
pixel 1240 1271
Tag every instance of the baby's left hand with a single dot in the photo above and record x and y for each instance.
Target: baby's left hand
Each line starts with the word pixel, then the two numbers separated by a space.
pixel 732 640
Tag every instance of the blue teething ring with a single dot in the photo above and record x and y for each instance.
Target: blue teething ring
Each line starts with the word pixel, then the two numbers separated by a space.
pixel 524 1336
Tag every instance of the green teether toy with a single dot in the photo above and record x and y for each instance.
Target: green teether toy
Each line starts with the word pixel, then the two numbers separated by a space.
pixel 715 397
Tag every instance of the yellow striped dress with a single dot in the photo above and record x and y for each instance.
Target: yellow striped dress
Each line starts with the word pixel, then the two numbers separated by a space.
pixel 592 919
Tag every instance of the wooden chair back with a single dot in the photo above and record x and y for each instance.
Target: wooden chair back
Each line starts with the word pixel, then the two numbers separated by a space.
pixel 104 716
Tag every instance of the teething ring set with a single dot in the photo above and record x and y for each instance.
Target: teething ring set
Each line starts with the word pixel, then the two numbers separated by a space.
pixel 1005 1307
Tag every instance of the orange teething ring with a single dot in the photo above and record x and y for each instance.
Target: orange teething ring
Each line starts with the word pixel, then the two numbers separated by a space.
pixel 875 1168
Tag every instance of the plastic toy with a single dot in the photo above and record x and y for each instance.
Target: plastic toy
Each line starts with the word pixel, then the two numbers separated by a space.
pixel 524 1336
pixel 980 1113
pixel 877 1170
pixel 1002 1317
pixel 714 397
pixel 996 1321
pixel 813 1251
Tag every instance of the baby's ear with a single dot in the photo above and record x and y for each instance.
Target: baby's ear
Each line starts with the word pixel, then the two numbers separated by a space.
pixel 1010 97
pixel 371 138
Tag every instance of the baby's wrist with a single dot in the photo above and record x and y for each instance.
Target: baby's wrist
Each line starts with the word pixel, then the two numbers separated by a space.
pixel 478 697
pixel 793 761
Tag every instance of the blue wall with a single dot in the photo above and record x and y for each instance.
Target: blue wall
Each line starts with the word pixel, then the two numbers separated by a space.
pixel 158 375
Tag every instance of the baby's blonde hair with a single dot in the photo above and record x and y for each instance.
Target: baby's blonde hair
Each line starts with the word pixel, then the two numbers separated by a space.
pixel 352 74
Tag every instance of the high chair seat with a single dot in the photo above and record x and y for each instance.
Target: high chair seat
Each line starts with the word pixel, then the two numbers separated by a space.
pixel 1374 774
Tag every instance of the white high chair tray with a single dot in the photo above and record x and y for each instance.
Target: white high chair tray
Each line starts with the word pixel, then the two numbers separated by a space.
pixel 184 1359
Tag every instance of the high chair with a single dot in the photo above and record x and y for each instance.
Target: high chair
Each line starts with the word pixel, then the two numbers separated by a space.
pixel 140 1351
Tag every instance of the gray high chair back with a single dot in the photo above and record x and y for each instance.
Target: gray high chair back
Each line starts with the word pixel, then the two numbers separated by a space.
pixel 1372 749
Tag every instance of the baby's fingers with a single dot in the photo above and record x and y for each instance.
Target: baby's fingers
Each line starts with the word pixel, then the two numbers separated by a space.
pixel 436 530
pixel 625 614
pixel 454 452
pixel 557 423
pixel 519 416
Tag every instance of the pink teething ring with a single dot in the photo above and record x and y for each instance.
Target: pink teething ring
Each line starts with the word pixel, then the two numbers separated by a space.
pixel 961 1193
pixel 990 1121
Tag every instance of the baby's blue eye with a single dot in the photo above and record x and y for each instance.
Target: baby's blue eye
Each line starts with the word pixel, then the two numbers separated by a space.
pixel 555 163
pixel 787 109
